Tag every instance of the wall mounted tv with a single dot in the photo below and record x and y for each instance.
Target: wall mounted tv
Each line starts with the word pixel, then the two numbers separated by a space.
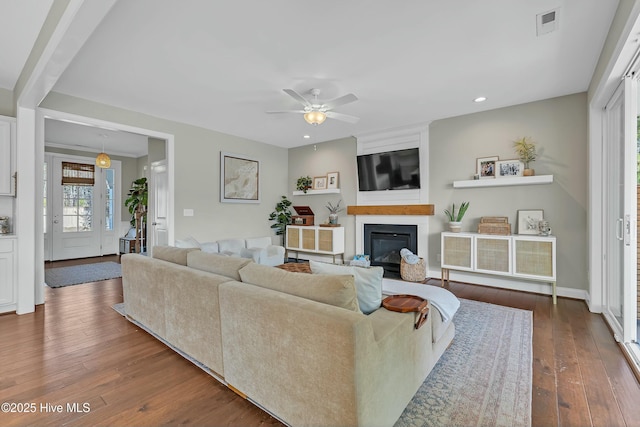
pixel 391 170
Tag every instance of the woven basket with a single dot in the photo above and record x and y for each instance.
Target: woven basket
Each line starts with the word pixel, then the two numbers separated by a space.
pixel 413 272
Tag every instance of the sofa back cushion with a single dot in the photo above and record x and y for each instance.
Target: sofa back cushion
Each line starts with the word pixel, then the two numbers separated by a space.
pixel 338 290
pixel 172 254
pixel 216 263
pixel 258 242
pixel 231 246
pixel 368 282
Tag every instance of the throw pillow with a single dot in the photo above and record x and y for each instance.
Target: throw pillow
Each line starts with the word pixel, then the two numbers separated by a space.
pixel 328 289
pixel 368 282
pixel 188 242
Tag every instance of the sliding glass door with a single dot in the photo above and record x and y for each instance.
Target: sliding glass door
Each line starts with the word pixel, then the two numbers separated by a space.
pixel 620 210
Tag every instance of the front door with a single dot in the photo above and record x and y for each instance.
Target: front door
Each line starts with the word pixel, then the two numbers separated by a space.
pixel 75 228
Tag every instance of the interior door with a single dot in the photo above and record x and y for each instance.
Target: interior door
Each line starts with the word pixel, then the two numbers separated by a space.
pixel 621 212
pixel 75 227
pixel 159 192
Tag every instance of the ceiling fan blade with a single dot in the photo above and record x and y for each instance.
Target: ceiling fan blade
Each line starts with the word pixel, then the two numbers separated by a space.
pixel 343 117
pixel 285 111
pixel 295 95
pixel 345 99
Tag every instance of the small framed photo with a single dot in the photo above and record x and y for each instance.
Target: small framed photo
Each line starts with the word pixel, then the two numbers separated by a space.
pixel 332 179
pixel 320 183
pixel 507 168
pixel 528 221
pixel 486 167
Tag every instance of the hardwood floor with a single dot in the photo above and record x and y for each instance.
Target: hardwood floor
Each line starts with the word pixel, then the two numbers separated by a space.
pixel 77 350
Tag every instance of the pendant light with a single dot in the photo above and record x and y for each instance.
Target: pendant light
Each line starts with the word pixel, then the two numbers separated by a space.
pixel 103 160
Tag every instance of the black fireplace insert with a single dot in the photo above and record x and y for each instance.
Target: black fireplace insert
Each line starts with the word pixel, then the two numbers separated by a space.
pixel 383 242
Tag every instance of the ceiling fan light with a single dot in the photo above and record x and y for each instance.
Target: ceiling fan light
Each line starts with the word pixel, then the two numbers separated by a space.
pixel 103 160
pixel 315 117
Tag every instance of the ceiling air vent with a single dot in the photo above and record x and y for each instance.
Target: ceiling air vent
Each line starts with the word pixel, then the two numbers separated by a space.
pixel 547 22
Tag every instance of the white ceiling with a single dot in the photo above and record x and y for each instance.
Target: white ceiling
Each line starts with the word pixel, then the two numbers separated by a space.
pixel 222 65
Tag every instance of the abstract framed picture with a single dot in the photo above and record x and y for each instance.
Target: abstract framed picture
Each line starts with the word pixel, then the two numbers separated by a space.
pixel 528 221
pixel 320 183
pixel 509 168
pixel 332 179
pixel 239 178
pixel 486 167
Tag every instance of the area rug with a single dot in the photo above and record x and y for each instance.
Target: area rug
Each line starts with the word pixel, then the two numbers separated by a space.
pixel 485 377
pixel 85 273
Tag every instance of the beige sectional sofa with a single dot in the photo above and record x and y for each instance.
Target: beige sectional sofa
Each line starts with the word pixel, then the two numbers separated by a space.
pixel 295 344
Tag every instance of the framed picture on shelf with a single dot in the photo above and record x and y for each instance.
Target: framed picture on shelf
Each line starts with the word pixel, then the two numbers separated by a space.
pixel 320 183
pixel 486 167
pixel 528 221
pixel 332 179
pixel 239 178
pixel 507 168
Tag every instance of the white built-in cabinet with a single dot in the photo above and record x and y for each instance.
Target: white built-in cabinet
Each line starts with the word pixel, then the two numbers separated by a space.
pixel 315 239
pixel 528 257
pixel 7 275
pixel 7 153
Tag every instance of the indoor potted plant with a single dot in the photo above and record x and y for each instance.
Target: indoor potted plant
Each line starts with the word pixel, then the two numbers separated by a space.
pixel 304 183
pixel 136 202
pixel 526 151
pixel 282 216
pixel 333 212
pixel 455 219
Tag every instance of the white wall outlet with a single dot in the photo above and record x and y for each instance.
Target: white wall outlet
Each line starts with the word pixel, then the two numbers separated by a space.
pixel 188 212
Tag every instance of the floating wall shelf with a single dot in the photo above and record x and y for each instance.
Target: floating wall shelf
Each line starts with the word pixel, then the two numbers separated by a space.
pixel 312 192
pixel 502 182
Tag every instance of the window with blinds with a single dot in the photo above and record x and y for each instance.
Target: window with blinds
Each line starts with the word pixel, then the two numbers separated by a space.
pixel 77 174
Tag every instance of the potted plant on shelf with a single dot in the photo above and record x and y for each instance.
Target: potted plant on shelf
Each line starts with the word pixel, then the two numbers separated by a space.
pixel 455 219
pixel 526 151
pixel 282 216
pixel 333 212
pixel 304 183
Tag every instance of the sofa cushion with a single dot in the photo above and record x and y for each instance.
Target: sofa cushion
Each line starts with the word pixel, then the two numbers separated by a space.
pixel 216 263
pixel 187 242
pixel 337 290
pixel 258 242
pixel 172 254
pixel 368 282
pixel 231 246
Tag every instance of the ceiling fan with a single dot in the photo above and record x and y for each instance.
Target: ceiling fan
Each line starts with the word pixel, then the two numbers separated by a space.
pixel 316 112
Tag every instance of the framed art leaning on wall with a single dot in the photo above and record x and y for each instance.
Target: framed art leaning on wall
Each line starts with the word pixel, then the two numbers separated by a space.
pixel 239 178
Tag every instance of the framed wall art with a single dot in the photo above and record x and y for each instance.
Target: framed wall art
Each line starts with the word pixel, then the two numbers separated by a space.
pixel 320 183
pixel 239 178
pixel 507 168
pixel 486 167
pixel 528 221
pixel 332 180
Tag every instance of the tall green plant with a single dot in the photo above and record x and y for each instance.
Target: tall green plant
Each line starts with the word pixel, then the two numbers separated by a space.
pixel 138 196
pixel 453 217
pixel 282 216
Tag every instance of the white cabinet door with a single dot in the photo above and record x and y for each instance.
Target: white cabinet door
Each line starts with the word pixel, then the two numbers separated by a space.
pixel 6 153
pixel 7 285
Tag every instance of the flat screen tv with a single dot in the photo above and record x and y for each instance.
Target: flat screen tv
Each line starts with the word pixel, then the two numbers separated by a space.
pixel 391 170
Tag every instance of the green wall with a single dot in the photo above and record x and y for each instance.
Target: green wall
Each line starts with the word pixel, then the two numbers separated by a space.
pixel 197 172
pixel 317 160
pixel 559 126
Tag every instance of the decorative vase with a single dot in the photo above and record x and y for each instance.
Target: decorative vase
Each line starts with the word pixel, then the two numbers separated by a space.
pixel 333 218
pixel 529 172
pixel 455 226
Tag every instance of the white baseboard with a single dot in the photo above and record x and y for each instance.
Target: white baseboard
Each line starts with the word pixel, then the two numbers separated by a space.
pixel 512 283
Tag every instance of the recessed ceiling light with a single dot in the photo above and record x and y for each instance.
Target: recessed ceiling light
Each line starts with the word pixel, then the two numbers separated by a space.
pixel 480 99
pixel 306 136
